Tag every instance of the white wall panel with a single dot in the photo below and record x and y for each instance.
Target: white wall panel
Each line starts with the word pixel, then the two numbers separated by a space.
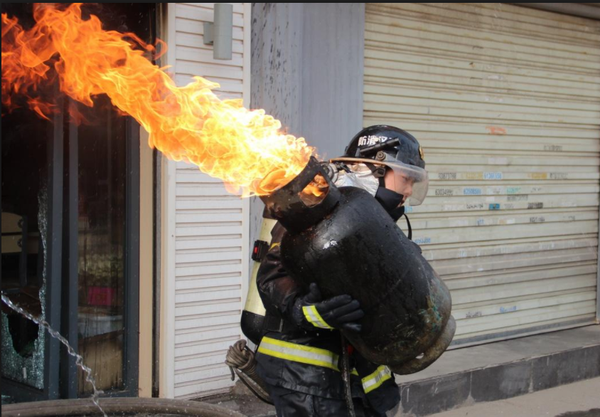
pixel 210 227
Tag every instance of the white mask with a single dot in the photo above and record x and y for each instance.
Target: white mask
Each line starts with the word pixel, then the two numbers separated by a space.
pixel 359 177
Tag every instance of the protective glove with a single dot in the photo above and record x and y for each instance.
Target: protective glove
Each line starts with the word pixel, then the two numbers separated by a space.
pixel 311 312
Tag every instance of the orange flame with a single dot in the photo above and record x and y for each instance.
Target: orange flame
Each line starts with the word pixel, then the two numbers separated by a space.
pixel 246 149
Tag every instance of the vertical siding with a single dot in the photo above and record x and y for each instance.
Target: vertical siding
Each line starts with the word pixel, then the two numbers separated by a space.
pixel 506 103
pixel 210 228
pixel 307 72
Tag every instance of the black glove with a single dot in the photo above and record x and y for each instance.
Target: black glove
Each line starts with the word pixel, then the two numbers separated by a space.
pixel 341 312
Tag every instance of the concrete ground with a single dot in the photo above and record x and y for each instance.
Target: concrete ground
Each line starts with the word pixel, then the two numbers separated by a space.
pixel 502 370
pixel 551 374
pixel 579 399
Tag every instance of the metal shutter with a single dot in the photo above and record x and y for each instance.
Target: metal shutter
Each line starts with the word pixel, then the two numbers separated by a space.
pixel 505 101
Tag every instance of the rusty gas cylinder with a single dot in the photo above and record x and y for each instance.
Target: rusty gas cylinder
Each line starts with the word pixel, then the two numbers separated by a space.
pixel 348 244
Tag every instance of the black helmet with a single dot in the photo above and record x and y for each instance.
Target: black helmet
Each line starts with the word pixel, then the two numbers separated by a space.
pixel 394 148
pixel 397 143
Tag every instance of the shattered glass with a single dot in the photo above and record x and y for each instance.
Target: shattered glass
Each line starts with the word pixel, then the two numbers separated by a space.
pixel 27 364
pixel 27 370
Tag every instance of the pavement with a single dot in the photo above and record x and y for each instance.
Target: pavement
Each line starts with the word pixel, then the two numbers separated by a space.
pixel 554 374
pixel 579 399
pixel 502 370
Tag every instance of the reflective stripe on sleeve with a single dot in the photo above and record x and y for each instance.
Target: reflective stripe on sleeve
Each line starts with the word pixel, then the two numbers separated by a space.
pixel 377 378
pixel 312 315
pixel 298 353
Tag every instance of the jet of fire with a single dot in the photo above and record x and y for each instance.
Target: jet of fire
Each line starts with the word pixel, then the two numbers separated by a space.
pixel 246 149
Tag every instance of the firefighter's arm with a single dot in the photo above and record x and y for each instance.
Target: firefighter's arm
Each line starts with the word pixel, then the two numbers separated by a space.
pixel 378 383
pixel 277 289
pixel 280 293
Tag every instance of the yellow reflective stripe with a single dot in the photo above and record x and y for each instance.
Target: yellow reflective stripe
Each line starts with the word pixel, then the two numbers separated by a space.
pixel 274 245
pixel 377 378
pixel 354 372
pixel 313 317
pixel 298 353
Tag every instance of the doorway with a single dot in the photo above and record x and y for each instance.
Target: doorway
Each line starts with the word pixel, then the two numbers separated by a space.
pixel 70 237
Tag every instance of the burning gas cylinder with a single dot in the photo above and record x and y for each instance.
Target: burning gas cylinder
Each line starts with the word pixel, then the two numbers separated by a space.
pixel 343 239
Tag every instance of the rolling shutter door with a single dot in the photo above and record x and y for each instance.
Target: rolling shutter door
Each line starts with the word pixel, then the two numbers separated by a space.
pixel 505 101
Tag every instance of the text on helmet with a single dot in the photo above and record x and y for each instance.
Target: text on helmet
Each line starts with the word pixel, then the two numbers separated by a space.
pixel 371 140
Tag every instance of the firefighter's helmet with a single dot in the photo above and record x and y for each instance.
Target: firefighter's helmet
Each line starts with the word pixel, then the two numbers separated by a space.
pixel 394 148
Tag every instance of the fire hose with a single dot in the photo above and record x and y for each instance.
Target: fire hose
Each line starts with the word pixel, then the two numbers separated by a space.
pixel 346 377
pixel 242 363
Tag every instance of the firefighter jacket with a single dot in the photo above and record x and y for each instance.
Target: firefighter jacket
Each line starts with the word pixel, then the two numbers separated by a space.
pixel 309 361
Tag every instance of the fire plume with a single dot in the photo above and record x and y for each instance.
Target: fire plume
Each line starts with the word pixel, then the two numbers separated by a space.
pixel 246 149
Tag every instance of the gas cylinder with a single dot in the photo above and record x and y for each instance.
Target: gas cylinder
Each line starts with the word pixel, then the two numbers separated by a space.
pixel 348 244
pixel 253 314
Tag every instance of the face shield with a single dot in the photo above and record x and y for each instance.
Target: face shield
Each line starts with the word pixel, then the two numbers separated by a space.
pixel 409 180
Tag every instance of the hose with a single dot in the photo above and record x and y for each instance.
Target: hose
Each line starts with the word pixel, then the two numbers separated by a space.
pixel 118 406
pixel 242 363
pixel 346 377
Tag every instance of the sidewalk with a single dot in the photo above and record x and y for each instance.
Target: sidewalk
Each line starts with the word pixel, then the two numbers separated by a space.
pixel 502 370
pixel 579 399
pixel 556 372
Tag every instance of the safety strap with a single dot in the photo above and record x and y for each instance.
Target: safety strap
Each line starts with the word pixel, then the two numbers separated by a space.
pixel 279 325
pixel 409 228
pixel 374 381
pixel 313 317
pixel 378 172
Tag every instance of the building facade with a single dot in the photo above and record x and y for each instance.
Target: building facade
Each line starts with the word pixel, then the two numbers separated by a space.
pixel 143 262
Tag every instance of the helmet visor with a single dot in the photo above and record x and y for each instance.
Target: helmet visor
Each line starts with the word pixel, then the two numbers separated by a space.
pixel 408 180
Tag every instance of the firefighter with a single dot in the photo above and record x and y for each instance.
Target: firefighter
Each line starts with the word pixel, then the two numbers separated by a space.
pixel 298 356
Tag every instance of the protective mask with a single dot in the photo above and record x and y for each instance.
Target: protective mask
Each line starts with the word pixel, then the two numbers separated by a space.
pixel 389 200
pixel 360 176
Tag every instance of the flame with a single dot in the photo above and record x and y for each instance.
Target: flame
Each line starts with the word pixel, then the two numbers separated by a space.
pixel 246 149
